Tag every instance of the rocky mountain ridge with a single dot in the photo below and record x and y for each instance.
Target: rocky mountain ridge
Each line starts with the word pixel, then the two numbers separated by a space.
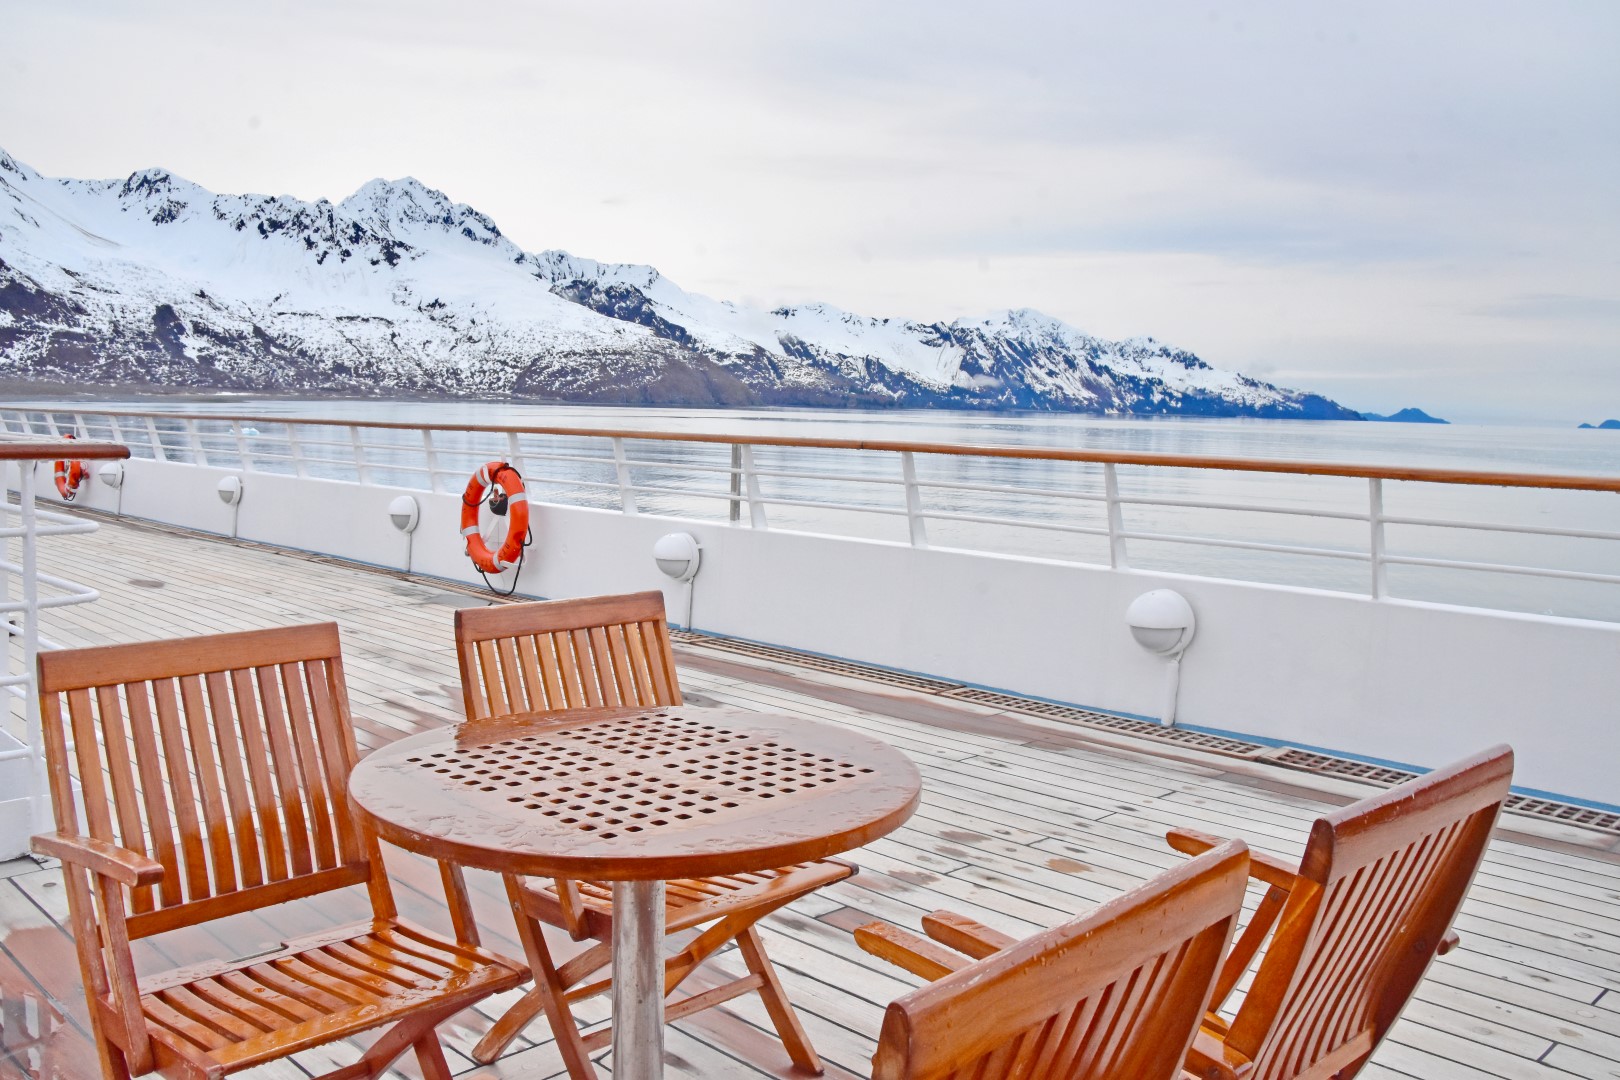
pixel 154 281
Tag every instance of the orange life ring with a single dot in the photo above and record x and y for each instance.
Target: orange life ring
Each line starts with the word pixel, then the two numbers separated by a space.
pixel 69 475
pixel 503 476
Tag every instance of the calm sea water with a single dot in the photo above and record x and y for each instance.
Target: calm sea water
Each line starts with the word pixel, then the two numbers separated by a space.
pixel 1491 448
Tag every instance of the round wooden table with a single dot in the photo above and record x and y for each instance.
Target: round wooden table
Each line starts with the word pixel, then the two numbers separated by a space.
pixel 636 797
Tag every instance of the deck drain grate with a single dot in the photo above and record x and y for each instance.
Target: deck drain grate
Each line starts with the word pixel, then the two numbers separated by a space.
pixel 847 668
pixel 1123 724
pixel 1329 765
pixel 1586 817
pixel 1568 813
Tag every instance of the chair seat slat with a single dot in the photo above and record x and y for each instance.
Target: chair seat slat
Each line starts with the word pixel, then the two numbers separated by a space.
pixel 184 799
pixel 154 790
pixel 309 760
pixel 222 858
pixel 238 803
pixel 284 758
pixel 266 811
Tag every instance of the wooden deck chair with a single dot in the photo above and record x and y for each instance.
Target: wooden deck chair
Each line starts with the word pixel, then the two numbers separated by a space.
pixel 214 775
pixel 1113 995
pixel 1356 926
pixel 599 652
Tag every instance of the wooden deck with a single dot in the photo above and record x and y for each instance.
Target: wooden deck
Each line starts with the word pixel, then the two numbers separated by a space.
pixel 1023 823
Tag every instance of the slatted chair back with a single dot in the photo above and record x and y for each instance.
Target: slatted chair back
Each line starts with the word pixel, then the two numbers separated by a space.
pixel 1114 995
pixel 1379 886
pixel 600 651
pixel 226 759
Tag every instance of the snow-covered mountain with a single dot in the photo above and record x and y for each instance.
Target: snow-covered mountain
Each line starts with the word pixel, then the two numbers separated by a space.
pixel 152 281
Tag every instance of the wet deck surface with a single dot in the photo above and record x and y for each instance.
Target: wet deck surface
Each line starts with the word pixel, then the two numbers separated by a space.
pixel 1023 824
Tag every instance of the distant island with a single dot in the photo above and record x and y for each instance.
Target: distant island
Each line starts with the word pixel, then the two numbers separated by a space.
pixel 1407 416
pixel 1607 425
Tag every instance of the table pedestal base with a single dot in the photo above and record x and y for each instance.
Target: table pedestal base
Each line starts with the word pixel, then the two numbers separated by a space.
pixel 638 980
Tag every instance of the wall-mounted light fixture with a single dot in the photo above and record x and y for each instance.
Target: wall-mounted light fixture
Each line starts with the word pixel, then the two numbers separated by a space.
pixel 1162 622
pixel 230 493
pixel 678 555
pixel 404 513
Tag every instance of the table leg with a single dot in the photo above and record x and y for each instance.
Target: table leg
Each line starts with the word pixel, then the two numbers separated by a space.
pixel 638 980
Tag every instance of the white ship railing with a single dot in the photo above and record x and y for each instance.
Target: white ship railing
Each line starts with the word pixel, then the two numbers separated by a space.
pixel 24 523
pixel 752 481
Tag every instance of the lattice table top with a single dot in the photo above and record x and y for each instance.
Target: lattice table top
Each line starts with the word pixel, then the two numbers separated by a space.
pixel 636 794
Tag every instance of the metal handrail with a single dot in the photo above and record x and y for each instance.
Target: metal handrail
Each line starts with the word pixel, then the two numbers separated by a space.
pixel 1029 453
pixel 289 440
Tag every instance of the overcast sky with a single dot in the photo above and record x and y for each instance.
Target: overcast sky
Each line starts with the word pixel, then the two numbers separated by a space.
pixel 1412 203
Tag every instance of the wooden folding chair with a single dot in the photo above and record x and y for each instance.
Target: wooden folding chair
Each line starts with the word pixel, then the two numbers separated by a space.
pixel 214 775
pixel 1113 995
pixel 1356 926
pixel 603 652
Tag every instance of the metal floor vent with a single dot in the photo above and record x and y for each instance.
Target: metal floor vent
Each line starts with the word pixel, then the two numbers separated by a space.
pixel 1524 805
pixel 1585 816
pixel 1289 757
pixel 1329 765
pixel 848 668
pixel 1105 721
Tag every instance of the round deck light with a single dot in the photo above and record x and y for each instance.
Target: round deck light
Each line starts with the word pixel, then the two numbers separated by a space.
pixel 230 490
pixel 112 474
pixel 677 555
pixel 1162 622
pixel 404 513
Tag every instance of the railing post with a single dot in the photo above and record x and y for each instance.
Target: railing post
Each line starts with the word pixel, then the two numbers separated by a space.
pixel 1116 519
pixel 756 503
pixel 158 453
pixel 296 452
pixel 362 471
pixel 198 453
pixel 914 510
pixel 514 453
pixel 432 460
pixel 242 446
pixel 621 466
pixel 1375 517
pixel 117 429
pixel 736 482
pixel 29 519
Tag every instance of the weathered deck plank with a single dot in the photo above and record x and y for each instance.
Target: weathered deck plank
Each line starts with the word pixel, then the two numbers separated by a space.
pixel 1016 830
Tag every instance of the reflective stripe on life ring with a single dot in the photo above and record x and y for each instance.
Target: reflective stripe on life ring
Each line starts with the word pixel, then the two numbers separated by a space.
pixel 517 516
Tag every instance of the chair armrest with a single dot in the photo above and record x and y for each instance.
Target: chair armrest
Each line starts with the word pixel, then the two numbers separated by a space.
pixel 964 934
pixel 917 955
pixel 121 864
pixel 1262 867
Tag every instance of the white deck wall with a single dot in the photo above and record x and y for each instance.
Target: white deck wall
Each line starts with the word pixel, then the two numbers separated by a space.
pixel 1405 682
